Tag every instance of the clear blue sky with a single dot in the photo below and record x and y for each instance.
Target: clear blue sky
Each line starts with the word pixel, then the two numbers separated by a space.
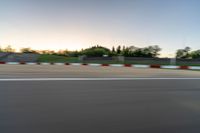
pixel 76 24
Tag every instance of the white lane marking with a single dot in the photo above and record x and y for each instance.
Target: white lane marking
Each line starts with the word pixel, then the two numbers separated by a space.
pixel 59 64
pixel 31 63
pixel 45 63
pixel 94 64
pixel 116 65
pixel 12 63
pixel 141 66
pixel 92 79
pixel 194 68
pixel 170 67
pixel 75 64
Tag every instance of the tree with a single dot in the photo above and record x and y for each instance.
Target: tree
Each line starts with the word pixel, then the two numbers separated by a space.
pixel 183 53
pixel 124 48
pixel 195 54
pixel 1 50
pixel 119 49
pixel 113 52
pixel 27 50
pixel 8 49
pixel 113 49
pixel 48 52
pixel 127 52
pixel 96 51
pixel 151 51
pixel 74 54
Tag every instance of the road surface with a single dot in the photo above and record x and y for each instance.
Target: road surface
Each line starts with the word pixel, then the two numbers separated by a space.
pixel 100 106
pixel 54 71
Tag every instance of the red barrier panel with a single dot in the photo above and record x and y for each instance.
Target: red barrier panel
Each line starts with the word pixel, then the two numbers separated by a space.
pixel 184 67
pixel 84 64
pixel 127 65
pixel 155 66
pixel 22 63
pixel 2 62
pixel 104 64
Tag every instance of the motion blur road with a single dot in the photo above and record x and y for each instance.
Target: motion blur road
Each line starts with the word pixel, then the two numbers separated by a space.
pixel 100 106
pixel 93 105
pixel 56 71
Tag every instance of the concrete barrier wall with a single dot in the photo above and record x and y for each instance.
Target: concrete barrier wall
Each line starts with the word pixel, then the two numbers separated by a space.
pixel 144 60
pixel 18 57
pixel 4 55
pixel 100 58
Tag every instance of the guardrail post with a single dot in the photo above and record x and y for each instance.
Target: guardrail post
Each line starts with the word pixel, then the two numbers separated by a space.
pixel 81 58
pixel 173 61
pixel 121 58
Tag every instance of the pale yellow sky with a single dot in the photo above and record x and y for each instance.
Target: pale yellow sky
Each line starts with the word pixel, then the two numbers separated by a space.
pixel 59 40
pixel 76 24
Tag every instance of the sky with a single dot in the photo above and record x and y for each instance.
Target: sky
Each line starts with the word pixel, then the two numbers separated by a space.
pixel 76 24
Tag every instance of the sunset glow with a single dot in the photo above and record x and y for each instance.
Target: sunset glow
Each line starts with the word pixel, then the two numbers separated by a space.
pixel 76 24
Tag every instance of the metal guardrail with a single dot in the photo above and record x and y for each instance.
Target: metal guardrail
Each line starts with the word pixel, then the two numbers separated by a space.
pixel 141 60
pixel 18 57
pixel 3 55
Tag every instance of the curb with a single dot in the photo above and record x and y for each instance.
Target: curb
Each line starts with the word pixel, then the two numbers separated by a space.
pixel 156 66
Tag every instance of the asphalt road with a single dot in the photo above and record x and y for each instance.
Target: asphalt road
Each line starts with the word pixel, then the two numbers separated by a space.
pixel 54 71
pixel 128 106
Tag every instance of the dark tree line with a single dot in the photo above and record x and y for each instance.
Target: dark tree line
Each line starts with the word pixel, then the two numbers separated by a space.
pixel 132 51
pixel 99 51
pixel 187 53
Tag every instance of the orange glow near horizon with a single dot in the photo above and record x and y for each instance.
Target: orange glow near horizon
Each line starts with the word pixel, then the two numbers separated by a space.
pixel 62 40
